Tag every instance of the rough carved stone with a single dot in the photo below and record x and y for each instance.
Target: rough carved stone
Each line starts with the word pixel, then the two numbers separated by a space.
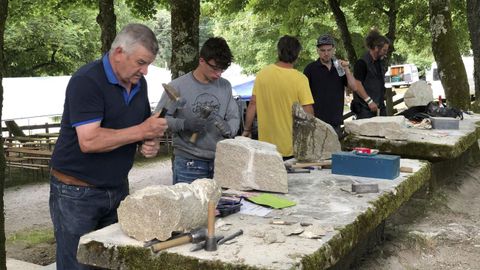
pixel 418 94
pixel 390 127
pixel 313 139
pixel 157 211
pixel 246 164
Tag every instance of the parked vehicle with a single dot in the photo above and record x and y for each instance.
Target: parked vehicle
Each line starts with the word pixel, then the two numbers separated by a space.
pixel 401 75
pixel 433 78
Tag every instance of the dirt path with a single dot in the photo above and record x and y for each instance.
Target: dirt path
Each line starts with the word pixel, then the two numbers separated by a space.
pixel 26 207
pixel 438 232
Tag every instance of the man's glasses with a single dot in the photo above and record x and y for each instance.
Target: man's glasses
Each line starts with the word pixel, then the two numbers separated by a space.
pixel 215 68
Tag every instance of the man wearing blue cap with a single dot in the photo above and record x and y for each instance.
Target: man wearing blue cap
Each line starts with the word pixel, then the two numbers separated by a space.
pixel 328 78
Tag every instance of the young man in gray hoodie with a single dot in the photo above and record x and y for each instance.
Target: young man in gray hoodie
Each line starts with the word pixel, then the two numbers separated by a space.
pixel 210 112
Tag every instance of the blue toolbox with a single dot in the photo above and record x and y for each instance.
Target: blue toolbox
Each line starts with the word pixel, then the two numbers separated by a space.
pixel 366 164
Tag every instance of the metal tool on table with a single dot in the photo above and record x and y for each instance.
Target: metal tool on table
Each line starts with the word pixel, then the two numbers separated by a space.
pixel 230 237
pixel 305 167
pixel 220 240
pixel 195 236
pixel 176 102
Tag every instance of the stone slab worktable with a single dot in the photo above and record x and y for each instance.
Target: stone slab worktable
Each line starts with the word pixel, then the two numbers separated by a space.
pixel 322 199
pixel 432 145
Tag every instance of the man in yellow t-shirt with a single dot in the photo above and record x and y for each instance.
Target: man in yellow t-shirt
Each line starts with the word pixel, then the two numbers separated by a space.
pixel 277 87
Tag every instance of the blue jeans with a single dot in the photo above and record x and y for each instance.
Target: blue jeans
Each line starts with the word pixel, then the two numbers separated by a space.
pixel 187 170
pixel 76 211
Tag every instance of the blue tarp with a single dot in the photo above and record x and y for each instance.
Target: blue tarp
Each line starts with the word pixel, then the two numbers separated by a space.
pixel 244 90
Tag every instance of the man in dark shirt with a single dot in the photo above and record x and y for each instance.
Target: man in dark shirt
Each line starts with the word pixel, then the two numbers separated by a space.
pixel 327 85
pixel 369 73
pixel 106 116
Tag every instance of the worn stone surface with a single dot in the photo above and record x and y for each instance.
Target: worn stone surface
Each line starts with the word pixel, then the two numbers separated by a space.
pixel 389 127
pixel 157 211
pixel 418 94
pixel 246 164
pixel 347 220
pixel 430 144
pixel 313 139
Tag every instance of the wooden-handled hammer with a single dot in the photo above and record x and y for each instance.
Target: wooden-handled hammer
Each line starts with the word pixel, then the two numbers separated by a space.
pixel 195 236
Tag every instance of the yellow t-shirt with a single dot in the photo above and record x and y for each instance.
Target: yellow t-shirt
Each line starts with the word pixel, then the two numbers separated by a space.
pixel 275 90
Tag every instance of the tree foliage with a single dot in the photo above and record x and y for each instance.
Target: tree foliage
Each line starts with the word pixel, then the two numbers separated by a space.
pixel 446 52
pixel 3 18
pixel 406 22
pixel 185 17
pixel 41 42
pixel 107 21
pixel 56 37
pixel 473 15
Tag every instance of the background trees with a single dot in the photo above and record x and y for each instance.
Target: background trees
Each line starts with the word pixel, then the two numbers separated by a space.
pixel 447 55
pixel 48 38
pixel 473 15
pixel 3 18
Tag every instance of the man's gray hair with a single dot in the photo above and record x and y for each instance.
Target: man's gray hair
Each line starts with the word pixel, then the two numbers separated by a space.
pixel 135 34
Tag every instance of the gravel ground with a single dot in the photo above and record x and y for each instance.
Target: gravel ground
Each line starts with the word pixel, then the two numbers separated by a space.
pixel 26 207
pixel 440 231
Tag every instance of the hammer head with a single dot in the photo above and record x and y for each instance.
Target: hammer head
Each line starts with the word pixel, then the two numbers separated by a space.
pixel 198 235
pixel 205 111
pixel 176 105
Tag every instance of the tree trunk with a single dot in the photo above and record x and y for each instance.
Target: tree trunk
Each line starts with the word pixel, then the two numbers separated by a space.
pixel 473 18
pixel 108 22
pixel 445 50
pixel 392 28
pixel 185 16
pixel 3 19
pixel 343 27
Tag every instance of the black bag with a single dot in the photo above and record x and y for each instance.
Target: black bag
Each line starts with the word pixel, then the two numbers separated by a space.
pixel 432 109
pixel 416 113
pixel 435 110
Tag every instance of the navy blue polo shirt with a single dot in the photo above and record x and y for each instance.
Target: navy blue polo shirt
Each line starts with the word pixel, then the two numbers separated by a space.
pixel 94 94
pixel 328 91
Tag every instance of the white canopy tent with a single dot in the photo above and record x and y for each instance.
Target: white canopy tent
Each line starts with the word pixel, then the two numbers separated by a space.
pixel 29 97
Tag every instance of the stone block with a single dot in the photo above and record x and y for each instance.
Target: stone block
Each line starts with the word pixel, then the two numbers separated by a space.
pixel 418 94
pixel 313 139
pixel 157 211
pixel 389 127
pixel 246 164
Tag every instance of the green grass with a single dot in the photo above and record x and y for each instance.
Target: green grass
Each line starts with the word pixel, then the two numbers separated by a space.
pixel 32 237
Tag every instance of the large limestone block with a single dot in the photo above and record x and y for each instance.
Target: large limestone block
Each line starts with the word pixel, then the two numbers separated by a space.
pixel 157 211
pixel 246 164
pixel 418 94
pixel 313 139
pixel 390 127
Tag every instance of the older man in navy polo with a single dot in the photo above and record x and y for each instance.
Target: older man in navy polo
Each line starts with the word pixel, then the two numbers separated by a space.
pixel 106 117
